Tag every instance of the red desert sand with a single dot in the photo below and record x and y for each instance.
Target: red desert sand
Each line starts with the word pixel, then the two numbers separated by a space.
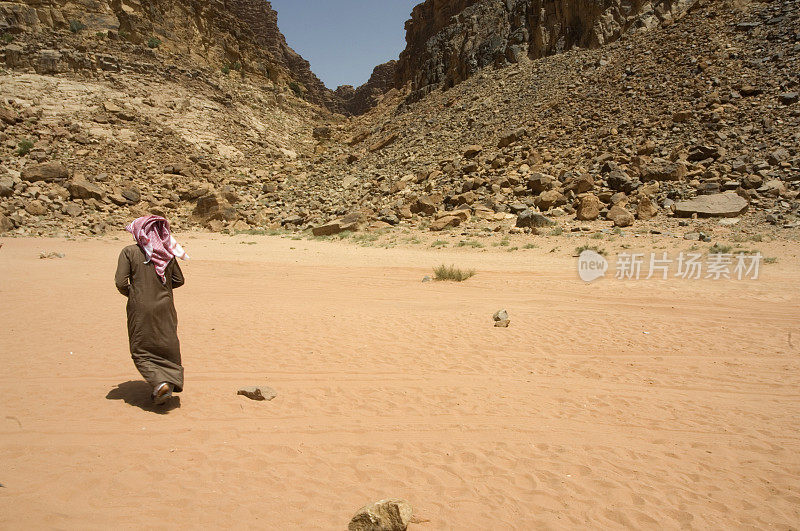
pixel 649 404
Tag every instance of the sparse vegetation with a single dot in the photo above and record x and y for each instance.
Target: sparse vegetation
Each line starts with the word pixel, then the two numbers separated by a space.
pixel 366 239
pixel 530 246
pixel 296 88
pixel 24 147
pixel 718 248
pixel 101 34
pixel 252 232
pixel 557 231
pixel 6 38
pixel 748 238
pixel 595 248
pixel 76 26
pixel 153 42
pixel 439 243
pixel 771 260
pixel 227 67
pixel 470 243
pixel 453 273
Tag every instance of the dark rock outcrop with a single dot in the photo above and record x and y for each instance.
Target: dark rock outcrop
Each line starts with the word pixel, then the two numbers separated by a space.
pixel 360 100
pixel 450 40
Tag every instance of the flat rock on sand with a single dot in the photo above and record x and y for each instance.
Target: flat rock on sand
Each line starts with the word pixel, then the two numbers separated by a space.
pixel 715 205
pixel 257 393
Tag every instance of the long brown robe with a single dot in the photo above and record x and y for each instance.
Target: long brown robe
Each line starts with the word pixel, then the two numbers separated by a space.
pixel 152 320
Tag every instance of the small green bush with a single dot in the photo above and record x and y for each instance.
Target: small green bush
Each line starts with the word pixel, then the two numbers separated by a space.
pixel 453 273
pixel 598 250
pixel 719 249
pixel 226 69
pixel 153 42
pixel 296 88
pixel 24 147
pixel 6 38
pixel 76 26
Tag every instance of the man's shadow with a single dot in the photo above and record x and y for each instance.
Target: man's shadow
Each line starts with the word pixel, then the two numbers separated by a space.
pixel 137 393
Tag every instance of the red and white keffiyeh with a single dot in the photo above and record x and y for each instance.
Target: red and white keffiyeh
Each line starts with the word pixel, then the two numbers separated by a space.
pixel 153 236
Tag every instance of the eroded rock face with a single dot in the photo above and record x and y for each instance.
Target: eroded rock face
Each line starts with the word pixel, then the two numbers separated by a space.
pixel 360 100
pixel 222 32
pixel 450 40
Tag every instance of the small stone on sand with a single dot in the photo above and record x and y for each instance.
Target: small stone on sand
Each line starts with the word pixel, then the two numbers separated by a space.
pixel 385 515
pixel 258 393
pixel 501 315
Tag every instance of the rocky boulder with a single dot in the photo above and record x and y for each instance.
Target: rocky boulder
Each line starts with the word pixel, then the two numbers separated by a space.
pixel 9 115
pixel 350 222
pixel 589 208
pixel 213 208
pixel 385 515
pixel 620 182
pixel 424 206
pixel 540 182
pixel 789 98
pixel 727 205
pixel 550 199
pixel 83 189
pixel 47 171
pixel 449 219
pixel 472 151
pixel 579 183
pixel 6 225
pixel 531 219
pixel 620 216
pixel 6 187
pixel 660 170
pixel 646 209
pixel 36 208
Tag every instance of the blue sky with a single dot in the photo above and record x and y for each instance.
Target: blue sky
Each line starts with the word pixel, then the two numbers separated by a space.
pixel 344 39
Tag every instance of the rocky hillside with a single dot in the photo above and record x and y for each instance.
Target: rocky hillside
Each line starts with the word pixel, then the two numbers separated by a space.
pixel 109 110
pixel 697 114
pixel 703 104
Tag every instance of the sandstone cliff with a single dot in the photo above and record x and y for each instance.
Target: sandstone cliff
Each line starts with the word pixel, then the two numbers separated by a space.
pixel 360 100
pixel 450 40
pixel 218 33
